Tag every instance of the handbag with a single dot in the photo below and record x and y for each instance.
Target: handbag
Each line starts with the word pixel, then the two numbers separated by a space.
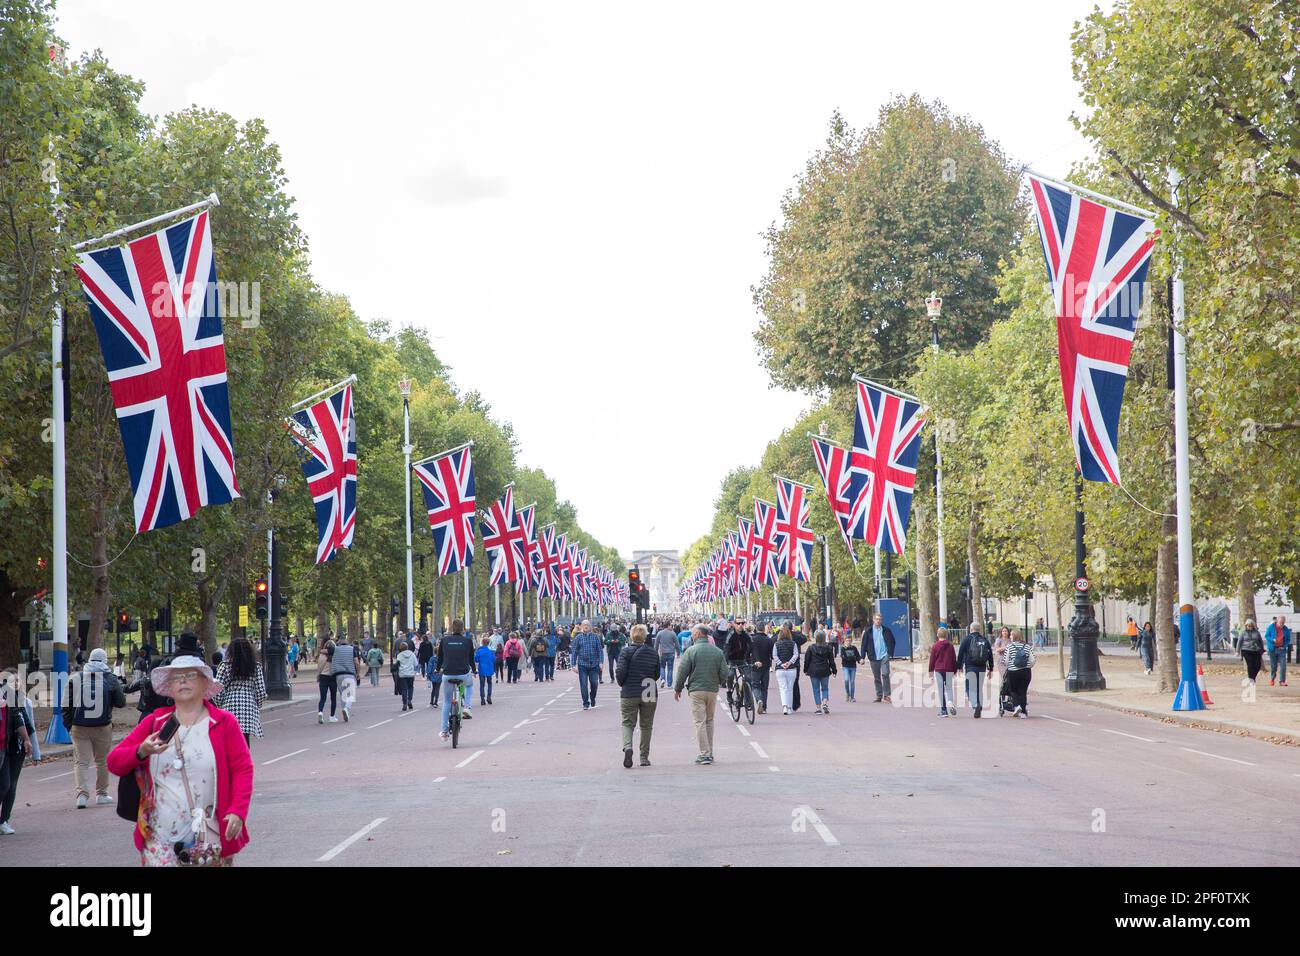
pixel 202 853
pixel 128 796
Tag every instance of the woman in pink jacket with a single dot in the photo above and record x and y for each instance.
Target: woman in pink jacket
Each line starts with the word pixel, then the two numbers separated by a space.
pixel 195 775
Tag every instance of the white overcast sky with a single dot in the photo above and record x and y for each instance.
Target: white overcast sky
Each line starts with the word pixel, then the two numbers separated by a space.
pixel 570 197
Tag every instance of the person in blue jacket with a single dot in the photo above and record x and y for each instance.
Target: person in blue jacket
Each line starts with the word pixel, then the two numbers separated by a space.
pixel 552 645
pixel 485 662
pixel 1277 641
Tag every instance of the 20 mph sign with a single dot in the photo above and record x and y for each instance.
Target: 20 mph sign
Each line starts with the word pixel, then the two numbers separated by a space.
pixel 1081 584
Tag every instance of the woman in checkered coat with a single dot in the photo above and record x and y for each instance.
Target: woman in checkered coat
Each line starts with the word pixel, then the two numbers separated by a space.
pixel 243 687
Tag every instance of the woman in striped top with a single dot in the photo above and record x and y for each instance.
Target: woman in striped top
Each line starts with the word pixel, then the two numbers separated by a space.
pixel 1018 659
pixel 785 665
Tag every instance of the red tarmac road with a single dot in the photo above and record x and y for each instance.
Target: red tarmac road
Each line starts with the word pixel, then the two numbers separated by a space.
pixel 538 781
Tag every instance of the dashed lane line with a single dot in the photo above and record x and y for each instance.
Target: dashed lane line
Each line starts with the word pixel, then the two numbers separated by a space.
pixel 344 737
pixel 759 750
pixel 537 711
pixel 1120 733
pixel 267 763
pixel 1204 753
pixel 774 769
pixel 439 779
pixel 500 738
pixel 822 829
pixel 469 758
pixel 380 724
pixel 331 854
pixel 71 772
pixel 1061 720
pixel 742 730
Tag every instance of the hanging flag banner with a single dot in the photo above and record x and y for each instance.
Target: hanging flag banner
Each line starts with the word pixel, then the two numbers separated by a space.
pixel 157 315
pixel 447 480
pixel 794 536
pixel 886 444
pixel 326 435
pixel 1097 258
pixel 745 549
pixel 765 571
pixel 549 568
pixel 528 551
pixel 837 477
pixel 564 567
pixel 501 531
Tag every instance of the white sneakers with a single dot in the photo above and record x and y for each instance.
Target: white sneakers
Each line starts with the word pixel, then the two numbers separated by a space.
pixel 103 800
pixel 6 829
pixel 346 716
pixel 335 720
pixel 320 717
pixel 82 801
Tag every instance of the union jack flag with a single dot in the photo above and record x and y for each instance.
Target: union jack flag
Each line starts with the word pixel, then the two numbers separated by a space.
pixel 529 551
pixel 448 484
pixel 565 567
pixel 886 445
pixel 765 570
pixel 745 548
pixel 1097 259
pixel 501 530
pixel 158 320
pixel 327 434
pixel 548 576
pixel 794 536
pixel 837 477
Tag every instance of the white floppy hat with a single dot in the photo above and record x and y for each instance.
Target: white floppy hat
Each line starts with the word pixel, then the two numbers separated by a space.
pixel 161 676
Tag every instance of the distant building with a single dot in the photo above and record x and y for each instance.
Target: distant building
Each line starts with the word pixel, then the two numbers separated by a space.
pixel 662 573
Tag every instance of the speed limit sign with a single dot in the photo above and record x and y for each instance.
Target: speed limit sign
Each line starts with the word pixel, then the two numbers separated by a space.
pixel 1081 584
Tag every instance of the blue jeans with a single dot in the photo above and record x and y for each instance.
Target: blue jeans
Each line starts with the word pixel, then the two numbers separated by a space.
pixel 446 698
pixel 850 682
pixel 484 686
pixel 1276 660
pixel 821 689
pixel 550 668
pixel 666 662
pixel 588 678
pixel 539 669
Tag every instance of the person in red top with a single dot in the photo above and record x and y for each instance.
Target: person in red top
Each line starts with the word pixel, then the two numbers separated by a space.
pixel 196 785
pixel 943 665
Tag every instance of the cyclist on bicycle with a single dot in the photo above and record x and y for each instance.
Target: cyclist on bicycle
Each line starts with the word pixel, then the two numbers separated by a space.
pixel 456 663
pixel 737 649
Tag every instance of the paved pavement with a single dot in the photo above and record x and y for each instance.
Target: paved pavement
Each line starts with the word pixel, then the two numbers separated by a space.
pixel 538 781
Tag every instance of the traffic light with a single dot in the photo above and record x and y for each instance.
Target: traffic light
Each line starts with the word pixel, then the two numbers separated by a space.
pixel 394 607
pixel 163 622
pixel 284 606
pixel 259 589
pixel 126 623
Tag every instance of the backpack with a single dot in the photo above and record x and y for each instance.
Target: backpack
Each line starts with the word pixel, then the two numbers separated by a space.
pixel 539 648
pixel 513 649
pixel 95 708
pixel 1020 659
pixel 978 651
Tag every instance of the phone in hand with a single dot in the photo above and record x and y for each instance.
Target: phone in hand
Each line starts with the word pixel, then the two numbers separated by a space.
pixel 169 729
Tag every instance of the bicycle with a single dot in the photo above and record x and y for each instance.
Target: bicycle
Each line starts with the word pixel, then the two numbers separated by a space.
pixel 453 714
pixel 740 694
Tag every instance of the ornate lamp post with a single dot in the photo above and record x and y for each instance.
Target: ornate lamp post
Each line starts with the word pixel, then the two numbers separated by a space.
pixel 934 309
pixel 408 610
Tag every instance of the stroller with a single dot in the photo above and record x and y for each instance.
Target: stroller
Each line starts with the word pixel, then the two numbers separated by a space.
pixel 1005 704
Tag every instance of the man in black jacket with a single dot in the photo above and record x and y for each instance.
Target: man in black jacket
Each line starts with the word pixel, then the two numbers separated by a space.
pixel 455 662
pixel 761 674
pixel 878 644
pixel 975 657
pixel 91 695
pixel 637 673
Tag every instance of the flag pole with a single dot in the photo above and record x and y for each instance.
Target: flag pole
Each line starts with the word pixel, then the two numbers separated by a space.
pixel 57 732
pixel 428 458
pixel 1100 197
pixel 202 204
pixel 325 391
pixel 405 387
pixel 1188 696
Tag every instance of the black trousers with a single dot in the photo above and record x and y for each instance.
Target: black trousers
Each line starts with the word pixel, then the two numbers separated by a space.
pixel 1017 683
pixel 9 773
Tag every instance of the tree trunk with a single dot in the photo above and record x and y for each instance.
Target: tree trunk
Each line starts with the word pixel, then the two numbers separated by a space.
pixel 972 555
pixel 322 626
pixel 1245 594
pixel 11 611
pixel 1166 595
pixel 338 624
pixel 209 596
pixel 435 626
pixel 99 575
pixel 354 627
pixel 926 599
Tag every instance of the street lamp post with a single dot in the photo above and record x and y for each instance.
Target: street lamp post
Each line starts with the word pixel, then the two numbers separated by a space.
pixel 274 648
pixel 404 386
pixel 934 309
pixel 1085 666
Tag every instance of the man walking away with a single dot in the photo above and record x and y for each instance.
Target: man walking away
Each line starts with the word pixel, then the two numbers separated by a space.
pixel 637 668
pixel 588 657
pixel 455 658
pixel 666 645
pixel 345 670
pixel 761 674
pixel 92 693
pixel 539 657
pixel 702 670
pixel 975 657
pixel 879 648
pixel 613 648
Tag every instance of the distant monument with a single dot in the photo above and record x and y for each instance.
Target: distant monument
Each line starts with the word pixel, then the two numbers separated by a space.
pixel 661 570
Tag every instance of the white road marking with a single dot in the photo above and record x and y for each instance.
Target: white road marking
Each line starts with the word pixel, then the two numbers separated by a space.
pixel 439 779
pixel 276 721
pixel 1060 720
pixel 537 711
pixel 380 724
pixel 742 730
pixel 551 701
pixel 267 763
pixel 71 772
pixel 759 750
pixel 774 769
pixel 1217 757
pixel 527 720
pixel 351 840
pixel 344 737
pixel 468 759
pixel 406 713
pixel 1134 736
pixel 501 738
pixel 822 829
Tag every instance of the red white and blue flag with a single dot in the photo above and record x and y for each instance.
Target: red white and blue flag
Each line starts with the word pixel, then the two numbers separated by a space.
pixel 326 434
pixel 548 576
pixel 565 567
pixel 765 569
pixel 158 319
pixel 745 550
pixel 886 445
pixel 448 485
pixel 529 549
pixel 837 477
pixel 1097 259
pixel 794 536
pixel 501 531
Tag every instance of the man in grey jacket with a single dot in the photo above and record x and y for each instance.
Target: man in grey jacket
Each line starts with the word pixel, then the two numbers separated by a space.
pixel 345 671
pixel 666 646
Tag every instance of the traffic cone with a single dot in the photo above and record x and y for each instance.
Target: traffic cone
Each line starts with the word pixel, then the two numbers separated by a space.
pixel 1200 683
